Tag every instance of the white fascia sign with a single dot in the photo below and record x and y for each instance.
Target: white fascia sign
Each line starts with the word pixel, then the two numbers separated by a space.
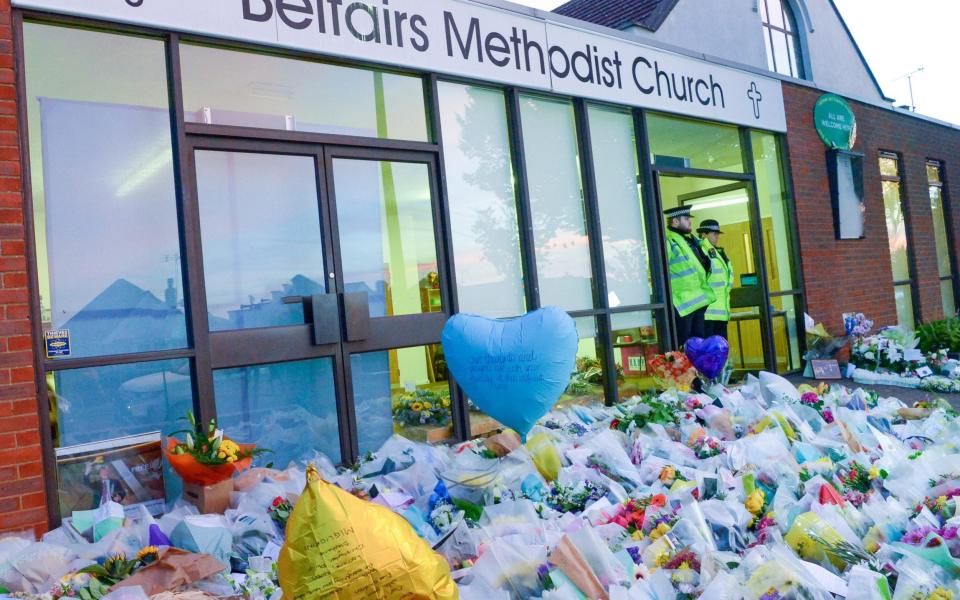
pixel 465 39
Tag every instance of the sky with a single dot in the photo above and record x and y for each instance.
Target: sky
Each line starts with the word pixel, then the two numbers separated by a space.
pixel 898 37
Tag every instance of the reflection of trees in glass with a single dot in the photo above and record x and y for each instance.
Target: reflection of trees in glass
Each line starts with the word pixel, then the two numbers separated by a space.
pixel 551 151
pixel 495 227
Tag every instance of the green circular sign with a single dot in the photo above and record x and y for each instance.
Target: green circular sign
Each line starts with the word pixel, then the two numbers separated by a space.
pixel 835 122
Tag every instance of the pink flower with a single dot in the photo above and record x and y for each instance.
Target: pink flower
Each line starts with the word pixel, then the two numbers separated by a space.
pixel 809 398
pixel 828 416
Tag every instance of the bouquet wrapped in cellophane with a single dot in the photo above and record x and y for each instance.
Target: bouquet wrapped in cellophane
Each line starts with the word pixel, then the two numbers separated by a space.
pixel 206 456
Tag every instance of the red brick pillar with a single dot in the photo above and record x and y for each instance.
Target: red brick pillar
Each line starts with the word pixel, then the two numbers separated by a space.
pixel 23 503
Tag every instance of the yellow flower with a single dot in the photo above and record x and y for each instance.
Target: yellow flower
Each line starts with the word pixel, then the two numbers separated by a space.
pixel 874 472
pixel 941 502
pixel 754 502
pixel 661 530
pixel 231 459
pixel 229 447
pixel 148 552
pixel 637 535
pixel 940 593
pixel 662 558
pixel 416 407
pixel 427 406
pixel 445 402
pixel 667 474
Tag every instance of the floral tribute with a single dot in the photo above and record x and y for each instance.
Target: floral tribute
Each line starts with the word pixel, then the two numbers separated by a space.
pixel 422 407
pixel 206 456
pixel 673 370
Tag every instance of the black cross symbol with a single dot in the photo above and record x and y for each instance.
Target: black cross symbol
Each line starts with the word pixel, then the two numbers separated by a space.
pixel 756 97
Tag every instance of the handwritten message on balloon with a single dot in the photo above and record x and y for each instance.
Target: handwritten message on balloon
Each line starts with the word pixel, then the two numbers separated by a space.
pixel 513 369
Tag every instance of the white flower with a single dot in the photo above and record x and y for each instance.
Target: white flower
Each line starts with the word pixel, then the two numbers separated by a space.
pixel 869 355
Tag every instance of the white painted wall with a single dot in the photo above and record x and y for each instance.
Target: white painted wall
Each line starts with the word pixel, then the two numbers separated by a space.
pixel 731 30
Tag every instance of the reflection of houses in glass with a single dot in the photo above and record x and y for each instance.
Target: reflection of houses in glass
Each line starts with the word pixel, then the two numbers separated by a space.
pixel 128 317
pixel 269 312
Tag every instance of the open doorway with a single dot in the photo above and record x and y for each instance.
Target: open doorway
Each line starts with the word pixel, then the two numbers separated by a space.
pixel 728 202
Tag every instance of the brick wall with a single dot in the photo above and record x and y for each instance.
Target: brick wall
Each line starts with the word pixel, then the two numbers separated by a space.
pixel 848 275
pixel 22 498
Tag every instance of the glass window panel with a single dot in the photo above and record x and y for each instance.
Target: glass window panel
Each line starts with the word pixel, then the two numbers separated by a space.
pixel 587 381
pixel 636 340
pixel 933 173
pixel 694 144
pixel 785 335
pixel 622 222
pixel 896 230
pixel 774 212
pixel 949 298
pixel 781 52
pixel 104 196
pixel 482 201
pixel 904 299
pixel 404 391
pixel 792 53
pixel 225 87
pixel 289 408
pixel 260 225
pixel 769 46
pixel 100 403
pixel 889 167
pixel 775 12
pixel 387 243
pixel 556 203
pixel 940 231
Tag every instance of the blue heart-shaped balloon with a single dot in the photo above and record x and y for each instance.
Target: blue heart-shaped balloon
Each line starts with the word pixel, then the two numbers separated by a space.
pixel 513 369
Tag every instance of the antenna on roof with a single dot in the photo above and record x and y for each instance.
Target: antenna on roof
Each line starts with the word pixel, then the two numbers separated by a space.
pixel 909 78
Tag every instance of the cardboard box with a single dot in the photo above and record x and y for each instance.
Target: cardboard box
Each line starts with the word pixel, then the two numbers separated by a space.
pixel 209 498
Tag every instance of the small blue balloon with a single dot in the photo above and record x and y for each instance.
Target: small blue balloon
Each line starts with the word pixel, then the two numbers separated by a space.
pixel 514 370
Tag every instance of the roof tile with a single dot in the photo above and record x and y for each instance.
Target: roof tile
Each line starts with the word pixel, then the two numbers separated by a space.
pixel 619 14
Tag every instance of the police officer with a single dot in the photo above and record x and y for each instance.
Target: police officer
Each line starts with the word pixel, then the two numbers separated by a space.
pixel 720 278
pixel 688 267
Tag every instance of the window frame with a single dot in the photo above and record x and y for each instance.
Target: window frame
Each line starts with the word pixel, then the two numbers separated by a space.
pixel 946 208
pixel 791 33
pixel 899 179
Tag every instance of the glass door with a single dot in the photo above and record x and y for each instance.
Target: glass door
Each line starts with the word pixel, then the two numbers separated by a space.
pixel 318 263
pixel 729 203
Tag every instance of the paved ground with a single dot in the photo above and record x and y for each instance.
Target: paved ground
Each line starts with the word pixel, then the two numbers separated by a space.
pixel 906 395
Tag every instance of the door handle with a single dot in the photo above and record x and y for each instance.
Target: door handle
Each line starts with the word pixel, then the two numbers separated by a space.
pixel 356 312
pixel 322 311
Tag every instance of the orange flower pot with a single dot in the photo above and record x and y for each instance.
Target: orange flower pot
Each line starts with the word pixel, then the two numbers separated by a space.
pixel 193 472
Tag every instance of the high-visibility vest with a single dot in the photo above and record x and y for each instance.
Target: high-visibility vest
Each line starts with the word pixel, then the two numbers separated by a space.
pixel 688 279
pixel 720 281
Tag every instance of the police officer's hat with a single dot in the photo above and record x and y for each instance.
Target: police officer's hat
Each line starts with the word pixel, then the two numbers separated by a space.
pixel 677 212
pixel 709 226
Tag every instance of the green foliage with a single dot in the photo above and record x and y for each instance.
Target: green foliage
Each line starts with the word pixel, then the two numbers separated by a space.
pixel 650 410
pixel 940 335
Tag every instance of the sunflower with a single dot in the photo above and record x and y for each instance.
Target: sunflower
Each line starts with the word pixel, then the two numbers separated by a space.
pixel 416 407
pixel 111 563
pixel 148 554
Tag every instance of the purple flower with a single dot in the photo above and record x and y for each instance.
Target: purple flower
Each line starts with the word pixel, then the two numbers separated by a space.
pixel 634 553
pixel 771 594
pixel 828 416
pixel 916 536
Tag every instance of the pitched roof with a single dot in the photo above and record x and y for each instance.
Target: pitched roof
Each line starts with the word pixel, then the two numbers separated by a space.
pixel 619 14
